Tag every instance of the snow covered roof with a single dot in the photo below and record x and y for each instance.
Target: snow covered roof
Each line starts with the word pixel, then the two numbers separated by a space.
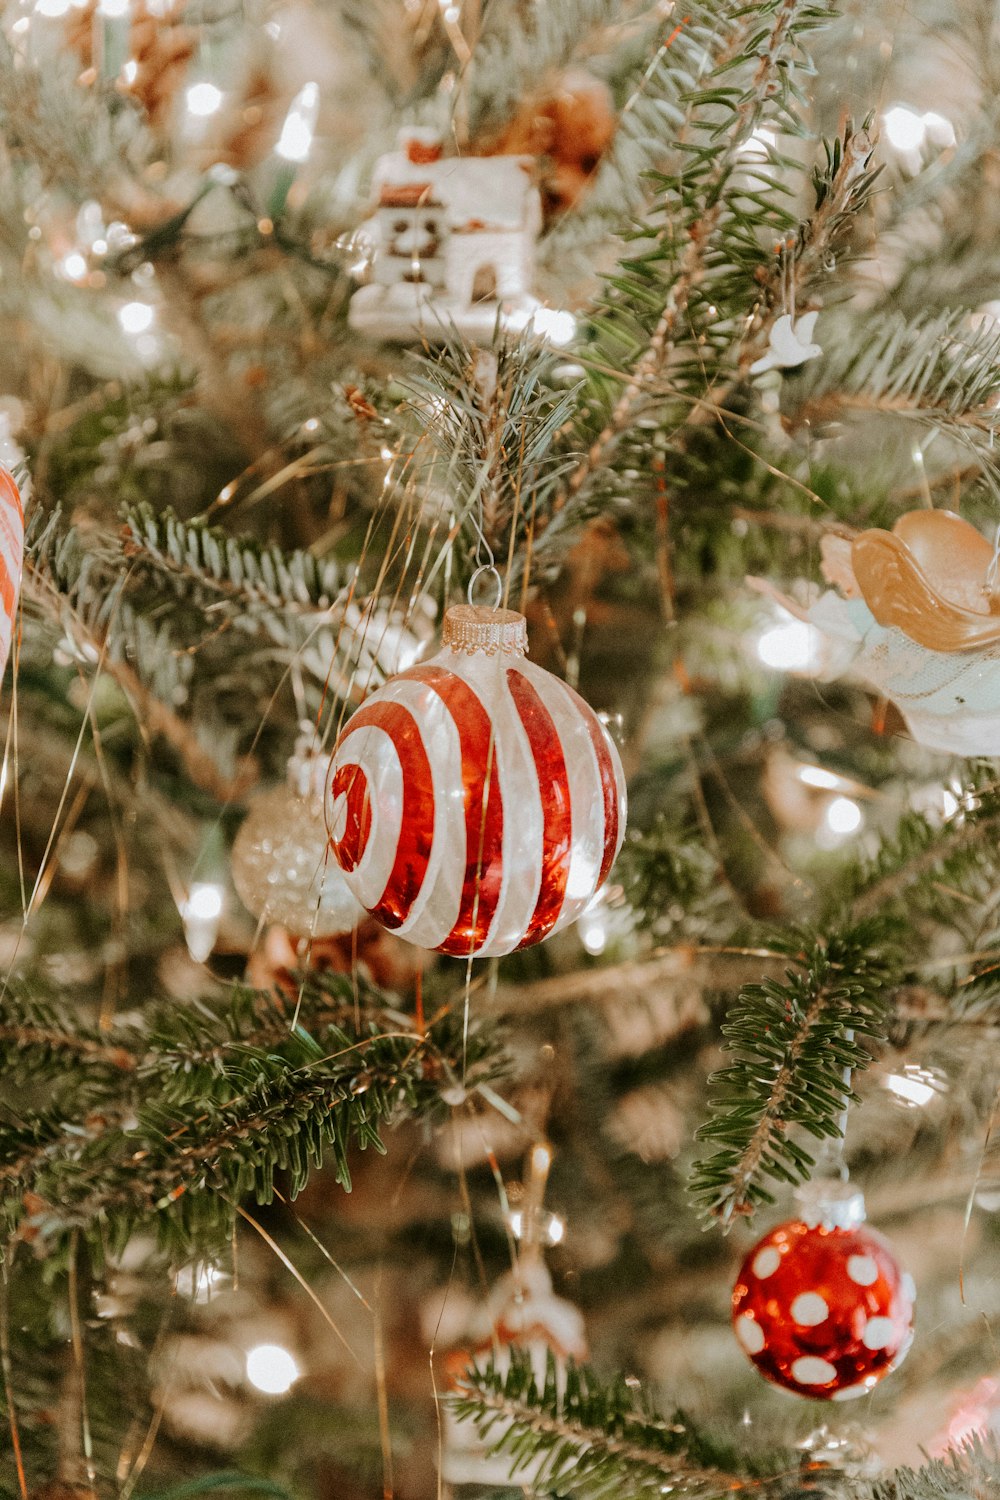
pixel 477 192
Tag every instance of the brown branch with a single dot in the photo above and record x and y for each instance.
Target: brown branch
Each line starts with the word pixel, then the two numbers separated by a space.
pixel 64 1041
pixel 894 884
pixel 702 968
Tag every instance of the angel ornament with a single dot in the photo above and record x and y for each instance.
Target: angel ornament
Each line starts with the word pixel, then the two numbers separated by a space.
pixel 915 613
pixel 789 344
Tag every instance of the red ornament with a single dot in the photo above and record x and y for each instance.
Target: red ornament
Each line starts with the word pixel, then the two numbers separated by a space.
pixel 821 1306
pixel 475 803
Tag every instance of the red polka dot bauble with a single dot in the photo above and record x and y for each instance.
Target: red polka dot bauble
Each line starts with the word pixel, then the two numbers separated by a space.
pixel 821 1306
pixel 475 803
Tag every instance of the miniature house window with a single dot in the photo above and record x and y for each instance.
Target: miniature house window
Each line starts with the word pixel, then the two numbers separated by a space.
pixel 484 284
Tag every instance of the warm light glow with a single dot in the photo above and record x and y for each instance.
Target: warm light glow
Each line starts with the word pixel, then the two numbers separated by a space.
pixel 551 1228
pixel 949 803
pixel 909 131
pixel 130 71
pixel 201 912
pixel 790 646
pixel 295 141
pixel 204 901
pixel 203 99
pixel 199 1282
pixel 113 7
pixel 758 143
pixel 843 816
pixel 271 1369
pixel 51 7
pixel 74 266
pixel 910 1087
pixel 904 128
pixel 136 317
pixel 541 1159
pixel 593 930
pixel 819 777
pixel 558 327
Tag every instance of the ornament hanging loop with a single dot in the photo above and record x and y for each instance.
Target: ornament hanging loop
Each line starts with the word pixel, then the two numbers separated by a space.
pixel 477 584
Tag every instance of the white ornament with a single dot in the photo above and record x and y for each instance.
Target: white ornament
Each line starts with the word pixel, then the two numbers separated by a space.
pixel 452 244
pixel 789 345
pixel 522 1310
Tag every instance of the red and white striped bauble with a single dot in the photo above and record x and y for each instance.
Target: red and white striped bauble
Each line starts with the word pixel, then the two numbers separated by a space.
pixel 475 802
pixel 11 559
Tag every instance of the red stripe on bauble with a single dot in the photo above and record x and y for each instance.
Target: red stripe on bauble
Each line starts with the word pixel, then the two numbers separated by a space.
pixel 9 491
pixel 352 783
pixel 557 818
pixel 416 832
pixel 483 878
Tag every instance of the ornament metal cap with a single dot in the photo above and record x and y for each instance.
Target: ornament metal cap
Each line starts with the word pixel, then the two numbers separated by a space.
pixel 829 1203
pixel 474 627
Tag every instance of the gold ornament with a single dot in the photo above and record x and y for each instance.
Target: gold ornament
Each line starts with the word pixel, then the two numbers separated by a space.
pixel 932 577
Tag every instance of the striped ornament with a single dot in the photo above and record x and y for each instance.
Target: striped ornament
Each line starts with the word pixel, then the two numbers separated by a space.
pixel 475 803
pixel 11 559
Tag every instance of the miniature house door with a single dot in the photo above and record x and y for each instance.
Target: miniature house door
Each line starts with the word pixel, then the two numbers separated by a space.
pixel 484 284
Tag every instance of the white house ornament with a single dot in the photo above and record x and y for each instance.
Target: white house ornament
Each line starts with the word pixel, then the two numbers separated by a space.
pixel 476 803
pixel 915 614
pixel 522 1312
pixel 820 1305
pixel 790 344
pixel 283 870
pixel 451 242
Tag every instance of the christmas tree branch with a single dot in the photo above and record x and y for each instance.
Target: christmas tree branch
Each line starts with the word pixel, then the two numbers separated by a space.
pixel 574 1429
pixel 224 1100
pixel 793 1042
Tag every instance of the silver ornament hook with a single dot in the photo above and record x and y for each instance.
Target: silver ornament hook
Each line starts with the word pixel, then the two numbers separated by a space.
pixel 485 570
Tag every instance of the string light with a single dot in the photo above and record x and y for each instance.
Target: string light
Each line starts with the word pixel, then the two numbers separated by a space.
pixel 295 141
pixel 843 817
pixel 52 8
pixel 199 1282
pixel 818 776
pixel 74 266
pixel 136 317
pixel 914 1086
pixel 201 912
pixel 790 645
pixel 758 143
pixel 551 1229
pixel 272 1369
pixel 910 133
pixel 203 99
pixel 554 325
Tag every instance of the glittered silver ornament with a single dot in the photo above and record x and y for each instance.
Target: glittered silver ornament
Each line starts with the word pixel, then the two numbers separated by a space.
pixel 282 869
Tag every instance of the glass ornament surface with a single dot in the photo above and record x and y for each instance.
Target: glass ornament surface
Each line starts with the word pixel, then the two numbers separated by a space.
pixel 11 558
pixel 476 803
pixel 283 871
pixel 822 1308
